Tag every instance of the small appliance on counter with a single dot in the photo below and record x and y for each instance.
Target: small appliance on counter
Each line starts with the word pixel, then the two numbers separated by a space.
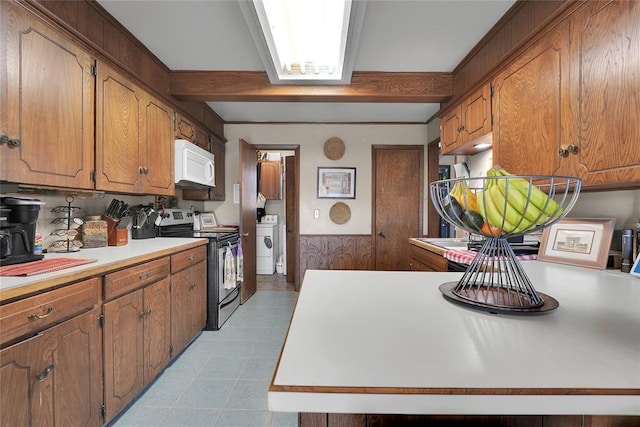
pixel 18 230
pixel 145 221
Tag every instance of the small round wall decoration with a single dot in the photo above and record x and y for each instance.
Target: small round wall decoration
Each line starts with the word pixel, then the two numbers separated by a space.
pixel 334 148
pixel 340 213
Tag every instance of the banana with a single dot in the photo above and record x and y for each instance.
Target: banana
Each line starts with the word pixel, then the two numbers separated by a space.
pixel 491 213
pixel 514 221
pixel 520 202
pixel 537 197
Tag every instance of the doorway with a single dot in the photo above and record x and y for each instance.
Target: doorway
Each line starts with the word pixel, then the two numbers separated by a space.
pixel 397 194
pixel 290 208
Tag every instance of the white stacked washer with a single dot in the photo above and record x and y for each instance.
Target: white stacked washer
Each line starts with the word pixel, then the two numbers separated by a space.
pixel 267 244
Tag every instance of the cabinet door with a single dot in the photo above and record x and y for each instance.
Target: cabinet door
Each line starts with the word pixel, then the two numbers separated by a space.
pixel 218 192
pixel 188 304
pixel 450 127
pixel 476 114
pixel 270 180
pixel 606 36
pixel 30 401
pixel 118 111
pixel 531 102
pixel 48 106
pixel 185 129
pixel 76 354
pixel 157 328
pixel 123 351
pixel 157 148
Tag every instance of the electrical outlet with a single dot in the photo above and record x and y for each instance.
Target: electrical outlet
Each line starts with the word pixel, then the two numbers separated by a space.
pixel 316 213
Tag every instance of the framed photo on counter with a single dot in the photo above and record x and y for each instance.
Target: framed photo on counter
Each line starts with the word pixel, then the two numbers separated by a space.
pixel 336 183
pixel 578 241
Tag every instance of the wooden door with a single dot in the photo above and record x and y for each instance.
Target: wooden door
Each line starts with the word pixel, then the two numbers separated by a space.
pixel 530 106
pixel 607 57
pixel 248 216
pixel 77 375
pixel 292 189
pixel 118 111
pixel 398 172
pixel 157 328
pixel 433 174
pixel 30 401
pixel 46 105
pixel 157 148
pixel 123 351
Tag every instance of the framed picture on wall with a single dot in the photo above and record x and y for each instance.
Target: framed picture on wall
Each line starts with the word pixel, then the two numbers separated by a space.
pixel 336 183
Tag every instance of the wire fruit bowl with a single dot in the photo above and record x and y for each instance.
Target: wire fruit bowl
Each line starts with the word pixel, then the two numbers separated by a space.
pixel 497 207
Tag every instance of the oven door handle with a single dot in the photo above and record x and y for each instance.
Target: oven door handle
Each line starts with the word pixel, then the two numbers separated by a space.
pixel 230 302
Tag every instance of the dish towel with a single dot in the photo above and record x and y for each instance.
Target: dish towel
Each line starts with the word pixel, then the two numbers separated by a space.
pixel 464 256
pixel 229 270
pixel 240 262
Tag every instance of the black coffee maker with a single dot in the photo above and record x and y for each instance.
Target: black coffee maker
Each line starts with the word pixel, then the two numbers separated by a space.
pixel 18 217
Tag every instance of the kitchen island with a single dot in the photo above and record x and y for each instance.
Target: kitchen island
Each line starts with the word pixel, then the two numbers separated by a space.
pixel 363 342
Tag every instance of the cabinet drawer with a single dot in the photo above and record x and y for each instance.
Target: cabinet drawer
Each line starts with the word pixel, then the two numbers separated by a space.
pixel 38 312
pixel 188 258
pixel 428 259
pixel 129 279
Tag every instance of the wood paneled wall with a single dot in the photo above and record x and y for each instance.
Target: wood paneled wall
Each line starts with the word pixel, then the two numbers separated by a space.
pixel 91 23
pixel 335 252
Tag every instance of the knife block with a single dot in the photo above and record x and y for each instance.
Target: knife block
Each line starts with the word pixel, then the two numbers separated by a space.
pixel 115 236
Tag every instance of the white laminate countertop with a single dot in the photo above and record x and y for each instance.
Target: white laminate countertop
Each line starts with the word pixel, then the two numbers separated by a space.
pixel 388 342
pixel 108 258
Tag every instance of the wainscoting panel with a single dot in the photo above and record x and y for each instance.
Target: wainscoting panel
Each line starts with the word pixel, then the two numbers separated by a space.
pixel 335 252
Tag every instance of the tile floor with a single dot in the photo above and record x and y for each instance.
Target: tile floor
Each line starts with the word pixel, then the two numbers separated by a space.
pixel 222 378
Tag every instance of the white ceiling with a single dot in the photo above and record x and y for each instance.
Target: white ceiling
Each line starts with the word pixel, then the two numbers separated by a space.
pixel 397 35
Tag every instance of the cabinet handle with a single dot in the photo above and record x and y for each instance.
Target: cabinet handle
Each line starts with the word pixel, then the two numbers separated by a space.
pixel 191 257
pixel 144 275
pixel 571 149
pixel 148 312
pixel 192 286
pixel 45 373
pixel 4 139
pixel 142 314
pixel 245 234
pixel 141 170
pixel 40 316
pixel 146 171
pixel 381 234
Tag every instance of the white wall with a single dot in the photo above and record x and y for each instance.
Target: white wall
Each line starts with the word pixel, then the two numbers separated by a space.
pixel 358 140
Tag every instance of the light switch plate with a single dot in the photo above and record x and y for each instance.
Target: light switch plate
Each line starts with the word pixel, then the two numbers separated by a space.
pixel 316 213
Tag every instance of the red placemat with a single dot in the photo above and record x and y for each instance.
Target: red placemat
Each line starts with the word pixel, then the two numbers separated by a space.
pixel 43 266
pixel 464 256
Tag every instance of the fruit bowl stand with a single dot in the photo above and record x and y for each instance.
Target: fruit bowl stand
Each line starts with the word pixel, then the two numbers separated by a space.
pixel 499 207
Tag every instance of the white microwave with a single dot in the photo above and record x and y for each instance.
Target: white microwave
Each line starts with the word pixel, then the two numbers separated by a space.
pixel 194 166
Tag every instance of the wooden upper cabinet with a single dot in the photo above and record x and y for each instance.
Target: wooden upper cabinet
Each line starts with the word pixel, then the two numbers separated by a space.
pixel 530 106
pixel 185 128
pixel 49 120
pixel 134 137
pixel 606 54
pixel 157 148
pixel 218 192
pixel 270 179
pixel 466 122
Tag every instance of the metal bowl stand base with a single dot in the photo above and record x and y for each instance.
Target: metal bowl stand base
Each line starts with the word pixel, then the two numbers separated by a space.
pixel 496 282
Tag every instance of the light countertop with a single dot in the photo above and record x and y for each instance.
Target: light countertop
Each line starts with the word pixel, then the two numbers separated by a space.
pixel 108 258
pixel 388 342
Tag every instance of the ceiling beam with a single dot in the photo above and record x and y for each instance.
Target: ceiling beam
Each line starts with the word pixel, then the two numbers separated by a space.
pixel 365 86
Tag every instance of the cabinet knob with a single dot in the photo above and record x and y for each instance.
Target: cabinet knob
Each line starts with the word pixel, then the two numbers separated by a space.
pixel 14 143
pixel 381 234
pixel 45 373
pixel 245 234
pixel 571 149
pixel 4 139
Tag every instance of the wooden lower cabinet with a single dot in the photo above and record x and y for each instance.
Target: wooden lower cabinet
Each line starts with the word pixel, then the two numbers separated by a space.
pixel 421 259
pixel 188 305
pixel 137 343
pixel 55 377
